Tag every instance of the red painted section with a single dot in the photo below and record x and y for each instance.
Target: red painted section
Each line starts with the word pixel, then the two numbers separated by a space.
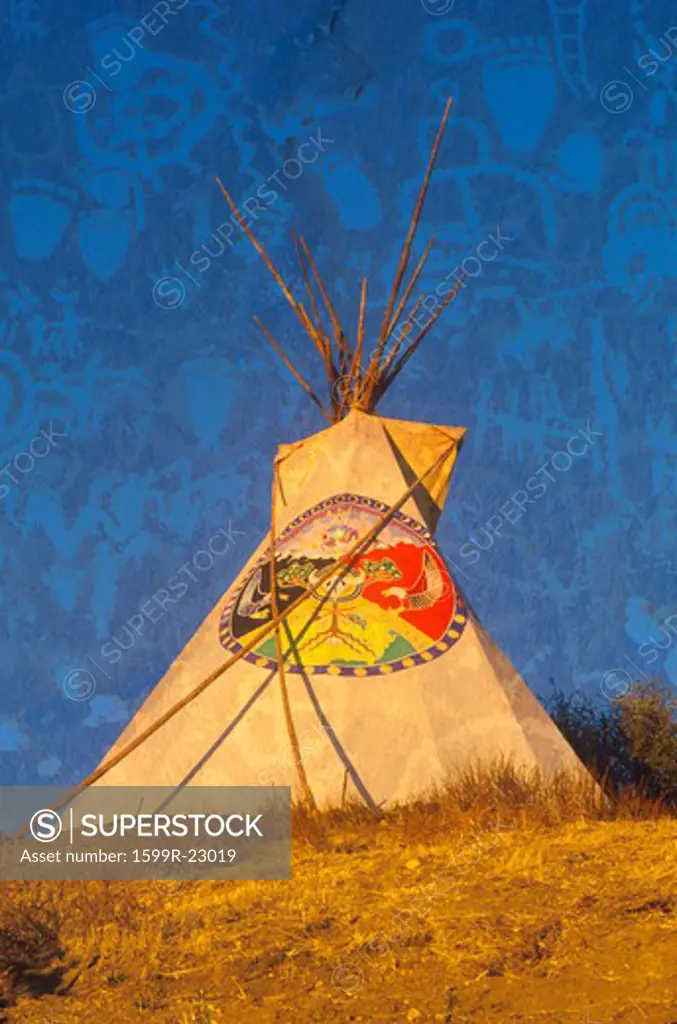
pixel 408 558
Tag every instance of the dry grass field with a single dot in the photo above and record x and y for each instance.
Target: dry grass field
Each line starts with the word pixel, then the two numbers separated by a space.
pixel 501 900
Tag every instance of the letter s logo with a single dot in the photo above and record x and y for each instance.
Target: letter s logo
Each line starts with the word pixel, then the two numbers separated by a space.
pixel 46 826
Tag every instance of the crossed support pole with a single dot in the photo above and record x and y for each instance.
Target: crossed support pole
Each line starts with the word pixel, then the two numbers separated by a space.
pixel 302 778
pixel 340 569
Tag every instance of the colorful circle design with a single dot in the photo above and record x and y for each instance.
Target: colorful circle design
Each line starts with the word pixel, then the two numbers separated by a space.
pixel 394 608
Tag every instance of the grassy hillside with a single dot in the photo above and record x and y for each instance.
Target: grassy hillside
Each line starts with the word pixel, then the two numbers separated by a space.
pixel 516 904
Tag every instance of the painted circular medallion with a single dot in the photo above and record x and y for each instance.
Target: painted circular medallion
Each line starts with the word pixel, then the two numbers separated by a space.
pixel 395 608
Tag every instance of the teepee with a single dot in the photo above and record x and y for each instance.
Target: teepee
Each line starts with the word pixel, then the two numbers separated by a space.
pixel 343 660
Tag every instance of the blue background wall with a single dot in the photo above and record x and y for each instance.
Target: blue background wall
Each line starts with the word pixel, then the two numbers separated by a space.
pixel 172 409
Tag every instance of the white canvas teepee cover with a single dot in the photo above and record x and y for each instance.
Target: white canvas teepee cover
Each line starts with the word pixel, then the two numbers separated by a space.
pixel 392 683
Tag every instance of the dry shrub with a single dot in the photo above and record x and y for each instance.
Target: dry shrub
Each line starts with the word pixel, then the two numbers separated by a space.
pixel 30 950
pixel 630 744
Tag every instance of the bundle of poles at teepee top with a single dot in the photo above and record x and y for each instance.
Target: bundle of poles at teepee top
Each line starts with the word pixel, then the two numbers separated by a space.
pixel 356 380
